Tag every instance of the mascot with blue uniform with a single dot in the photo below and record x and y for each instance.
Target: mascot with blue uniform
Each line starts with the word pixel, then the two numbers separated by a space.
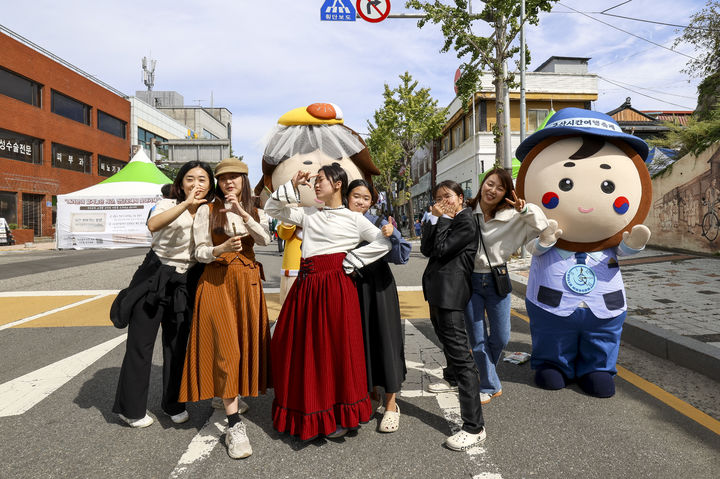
pixel 592 183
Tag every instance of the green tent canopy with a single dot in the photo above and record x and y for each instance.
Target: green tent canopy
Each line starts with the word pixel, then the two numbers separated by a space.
pixel 140 169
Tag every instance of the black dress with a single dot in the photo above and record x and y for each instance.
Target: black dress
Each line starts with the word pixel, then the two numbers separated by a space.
pixel 380 311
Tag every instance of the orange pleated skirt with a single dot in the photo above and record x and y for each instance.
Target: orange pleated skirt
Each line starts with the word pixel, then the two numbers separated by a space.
pixel 228 351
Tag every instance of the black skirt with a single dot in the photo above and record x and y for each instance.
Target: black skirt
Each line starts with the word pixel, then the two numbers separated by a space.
pixel 382 328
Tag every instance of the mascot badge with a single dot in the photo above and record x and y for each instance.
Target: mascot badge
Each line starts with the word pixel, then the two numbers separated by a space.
pixel 305 139
pixel 592 183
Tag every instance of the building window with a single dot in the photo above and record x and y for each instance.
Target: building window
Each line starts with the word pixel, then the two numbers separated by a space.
pixel 446 147
pixel 481 113
pixel 69 158
pixel 457 134
pixel 32 212
pixel 535 119
pixel 16 146
pixel 208 136
pixel 109 166
pixel 65 106
pixel 110 124
pixel 145 138
pixel 8 206
pixel 20 88
pixel 468 126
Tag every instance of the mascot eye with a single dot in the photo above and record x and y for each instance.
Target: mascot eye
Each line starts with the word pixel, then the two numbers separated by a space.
pixel 607 186
pixel 566 184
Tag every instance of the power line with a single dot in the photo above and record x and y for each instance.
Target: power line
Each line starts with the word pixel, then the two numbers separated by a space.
pixel 643 94
pixel 629 33
pixel 647 21
pixel 652 90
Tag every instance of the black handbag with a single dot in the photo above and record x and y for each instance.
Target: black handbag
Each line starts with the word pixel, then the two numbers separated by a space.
pixel 500 274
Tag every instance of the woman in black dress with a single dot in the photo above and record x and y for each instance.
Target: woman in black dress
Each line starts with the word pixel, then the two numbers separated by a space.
pixel 380 310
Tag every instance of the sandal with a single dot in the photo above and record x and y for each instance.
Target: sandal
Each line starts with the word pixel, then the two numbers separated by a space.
pixel 390 421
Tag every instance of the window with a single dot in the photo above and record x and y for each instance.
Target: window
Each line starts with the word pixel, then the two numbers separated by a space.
pixel 535 119
pixel 446 144
pixel 65 106
pixel 110 124
pixel 109 166
pixel 208 136
pixel 457 134
pixel 69 158
pixel 20 88
pixel 145 139
pixel 16 146
pixel 8 206
pixel 32 212
pixel 481 113
pixel 468 126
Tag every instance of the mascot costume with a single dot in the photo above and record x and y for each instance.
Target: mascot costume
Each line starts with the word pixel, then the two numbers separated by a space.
pixel 592 183
pixel 306 139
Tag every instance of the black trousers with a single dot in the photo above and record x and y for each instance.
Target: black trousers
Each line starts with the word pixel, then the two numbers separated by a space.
pixel 132 391
pixel 449 327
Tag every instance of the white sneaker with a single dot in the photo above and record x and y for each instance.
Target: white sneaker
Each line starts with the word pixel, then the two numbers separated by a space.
pixel 143 422
pixel 339 432
pixel 486 398
pixel 243 407
pixel 441 387
pixel 464 440
pixel 180 417
pixel 237 441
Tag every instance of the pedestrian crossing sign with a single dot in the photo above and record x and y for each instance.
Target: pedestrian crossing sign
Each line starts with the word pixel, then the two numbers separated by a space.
pixel 337 11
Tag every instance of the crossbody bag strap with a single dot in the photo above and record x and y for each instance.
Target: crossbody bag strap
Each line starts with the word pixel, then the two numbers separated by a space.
pixel 477 220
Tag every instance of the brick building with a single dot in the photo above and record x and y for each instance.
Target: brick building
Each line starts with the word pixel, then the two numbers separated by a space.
pixel 60 131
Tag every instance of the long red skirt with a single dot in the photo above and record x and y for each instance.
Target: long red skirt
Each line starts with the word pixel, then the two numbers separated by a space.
pixel 317 353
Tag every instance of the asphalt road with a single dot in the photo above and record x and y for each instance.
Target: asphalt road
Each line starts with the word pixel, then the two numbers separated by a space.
pixel 531 432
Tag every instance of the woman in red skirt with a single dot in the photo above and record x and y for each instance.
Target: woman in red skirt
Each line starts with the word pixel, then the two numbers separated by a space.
pixel 317 349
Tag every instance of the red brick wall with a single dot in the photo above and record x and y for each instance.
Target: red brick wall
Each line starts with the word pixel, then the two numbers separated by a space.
pixel 20 177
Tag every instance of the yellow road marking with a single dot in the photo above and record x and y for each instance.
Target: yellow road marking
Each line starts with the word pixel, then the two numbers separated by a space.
pixel 93 313
pixel 23 307
pixel 660 394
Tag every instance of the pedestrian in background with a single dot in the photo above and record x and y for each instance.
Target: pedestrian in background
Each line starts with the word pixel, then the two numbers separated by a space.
pixel 506 222
pixel 380 311
pixel 228 353
pixel 449 240
pixel 161 291
pixel 317 347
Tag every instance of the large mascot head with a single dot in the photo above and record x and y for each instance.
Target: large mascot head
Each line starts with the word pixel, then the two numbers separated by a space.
pixel 587 175
pixel 308 138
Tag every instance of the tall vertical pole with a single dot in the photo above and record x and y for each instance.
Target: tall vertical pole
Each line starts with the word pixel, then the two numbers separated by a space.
pixel 507 150
pixel 522 71
pixel 476 173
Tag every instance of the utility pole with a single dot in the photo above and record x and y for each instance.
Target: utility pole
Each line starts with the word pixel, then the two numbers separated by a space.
pixel 522 72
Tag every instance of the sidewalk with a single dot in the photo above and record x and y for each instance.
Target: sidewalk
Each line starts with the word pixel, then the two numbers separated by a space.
pixel 673 300
pixel 38 245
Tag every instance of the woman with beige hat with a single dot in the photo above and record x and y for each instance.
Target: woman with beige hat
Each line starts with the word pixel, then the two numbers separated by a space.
pixel 228 351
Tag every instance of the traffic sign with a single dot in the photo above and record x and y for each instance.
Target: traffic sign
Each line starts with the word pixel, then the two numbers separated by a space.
pixel 373 10
pixel 337 11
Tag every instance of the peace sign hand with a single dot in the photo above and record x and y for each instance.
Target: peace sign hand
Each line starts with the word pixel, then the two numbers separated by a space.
pixel 517 203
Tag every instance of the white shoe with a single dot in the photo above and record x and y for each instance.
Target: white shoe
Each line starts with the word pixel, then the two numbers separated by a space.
pixel 339 432
pixel 485 397
pixel 180 417
pixel 390 421
pixel 441 387
pixel 243 407
pixel 143 422
pixel 237 441
pixel 464 440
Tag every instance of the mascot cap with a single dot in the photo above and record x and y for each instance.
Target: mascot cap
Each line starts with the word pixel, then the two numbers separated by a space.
pixel 576 121
pixel 315 114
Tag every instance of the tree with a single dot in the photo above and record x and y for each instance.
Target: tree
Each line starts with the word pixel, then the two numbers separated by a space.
pixel 408 120
pixel 703 129
pixel 483 52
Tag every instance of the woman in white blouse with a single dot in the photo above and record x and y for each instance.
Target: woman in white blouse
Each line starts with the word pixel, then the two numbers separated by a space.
pixel 229 347
pixel 161 291
pixel 318 359
pixel 506 222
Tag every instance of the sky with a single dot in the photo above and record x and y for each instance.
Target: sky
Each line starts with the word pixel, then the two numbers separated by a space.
pixel 261 59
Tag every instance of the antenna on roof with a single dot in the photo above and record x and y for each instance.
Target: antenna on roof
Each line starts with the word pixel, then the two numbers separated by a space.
pixel 148 73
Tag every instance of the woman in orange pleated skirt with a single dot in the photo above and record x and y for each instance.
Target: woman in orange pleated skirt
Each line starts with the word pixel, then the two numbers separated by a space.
pixel 228 351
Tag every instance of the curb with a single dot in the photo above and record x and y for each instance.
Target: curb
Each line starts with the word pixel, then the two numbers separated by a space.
pixel 686 352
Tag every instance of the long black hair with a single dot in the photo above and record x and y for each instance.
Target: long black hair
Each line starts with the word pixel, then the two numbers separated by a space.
pixel 177 192
pixel 334 173
pixel 247 202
